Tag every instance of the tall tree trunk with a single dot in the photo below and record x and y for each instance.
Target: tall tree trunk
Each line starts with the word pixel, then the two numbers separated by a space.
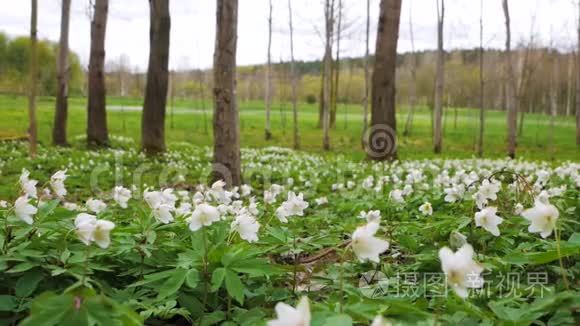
pixel 553 102
pixel 268 79
pixel 61 112
pixel 570 83
pixel 334 100
pixel 153 121
pixel 381 141
pixel 366 72
pixel 439 81
pixel 481 86
pixel 578 85
pixel 294 81
pixel 226 128
pixel 97 134
pixel 327 77
pixel 33 80
pixel 512 105
pixel 413 84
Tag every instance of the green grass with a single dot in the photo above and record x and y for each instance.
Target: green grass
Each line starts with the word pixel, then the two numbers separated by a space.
pixel 189 123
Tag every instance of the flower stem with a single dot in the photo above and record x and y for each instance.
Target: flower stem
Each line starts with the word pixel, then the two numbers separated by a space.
pixel 86 265
pixel 341 284
pixel 205 273
pixel 557 234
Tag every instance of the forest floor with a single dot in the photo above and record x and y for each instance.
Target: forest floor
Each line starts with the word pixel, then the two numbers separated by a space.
pixel 190 121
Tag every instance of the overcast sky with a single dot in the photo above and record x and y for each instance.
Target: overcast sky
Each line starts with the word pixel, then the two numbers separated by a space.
pixel 193 27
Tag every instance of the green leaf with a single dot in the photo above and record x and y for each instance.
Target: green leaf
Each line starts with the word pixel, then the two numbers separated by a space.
pixel 28 282
pixel 173 283
pixel 217 278
pixel 192 278
pixel 338 320
pixel 234 286
pixel 213 318
pixel 22 267
pixel 7 303
pixel 47 208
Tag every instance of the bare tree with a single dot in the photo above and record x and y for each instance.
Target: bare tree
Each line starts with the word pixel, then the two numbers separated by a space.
pixel 366 70
pixel 554 78
pixel 33 79
pixel 293 77
pixel 97 134
pixel 512 106
pixel 569 82
pixel 327 73
pixel 227 163
pixel 481 85
pixel 413 84
pixel 578 84
pixel 383 118
pixel 439 80
pixel 153 121
pixel 60 117
pixel 268 79
pixel 336 68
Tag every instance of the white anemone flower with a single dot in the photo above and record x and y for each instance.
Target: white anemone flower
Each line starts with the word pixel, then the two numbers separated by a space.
pixel 426 209
pixel 487 218
pixel 102 233
pixel 282 214
pixel 163 213
pixel 85 227
pixel 96 205
pixel 121 195
pixel 57 183
pixel 203 215
pixel 396 196
pixel 295 204
pixel 28 186
pixel 321 201
pixel 381 321
pixel 247 227
pixel 290 316
pixel 461 270
pixel 543 217
pixel 365 245
pixel 89 230
pixel 371 216
pixel 24 210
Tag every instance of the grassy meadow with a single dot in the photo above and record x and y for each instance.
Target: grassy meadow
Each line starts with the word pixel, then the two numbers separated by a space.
pixel 190 121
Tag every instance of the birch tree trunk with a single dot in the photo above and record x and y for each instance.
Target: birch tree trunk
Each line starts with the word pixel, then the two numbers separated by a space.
pixel 33 80
pixel 381 140
pixel 97 134
pixel 327 76
pixel 439 81
pixel 61 111
pixel 366 73
pixel 294 81
pixel 334 100
pixel 153 121
pixel 481 86
pixel 413 84
pixel 268 79
pixel 512 105
pixel 226 129
pixel 578 84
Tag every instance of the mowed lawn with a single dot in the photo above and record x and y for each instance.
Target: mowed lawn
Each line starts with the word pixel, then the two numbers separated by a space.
pixel 190 121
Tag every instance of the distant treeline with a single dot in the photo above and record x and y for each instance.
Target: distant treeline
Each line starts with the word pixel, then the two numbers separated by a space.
pixel 544 76
pixel 14 59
